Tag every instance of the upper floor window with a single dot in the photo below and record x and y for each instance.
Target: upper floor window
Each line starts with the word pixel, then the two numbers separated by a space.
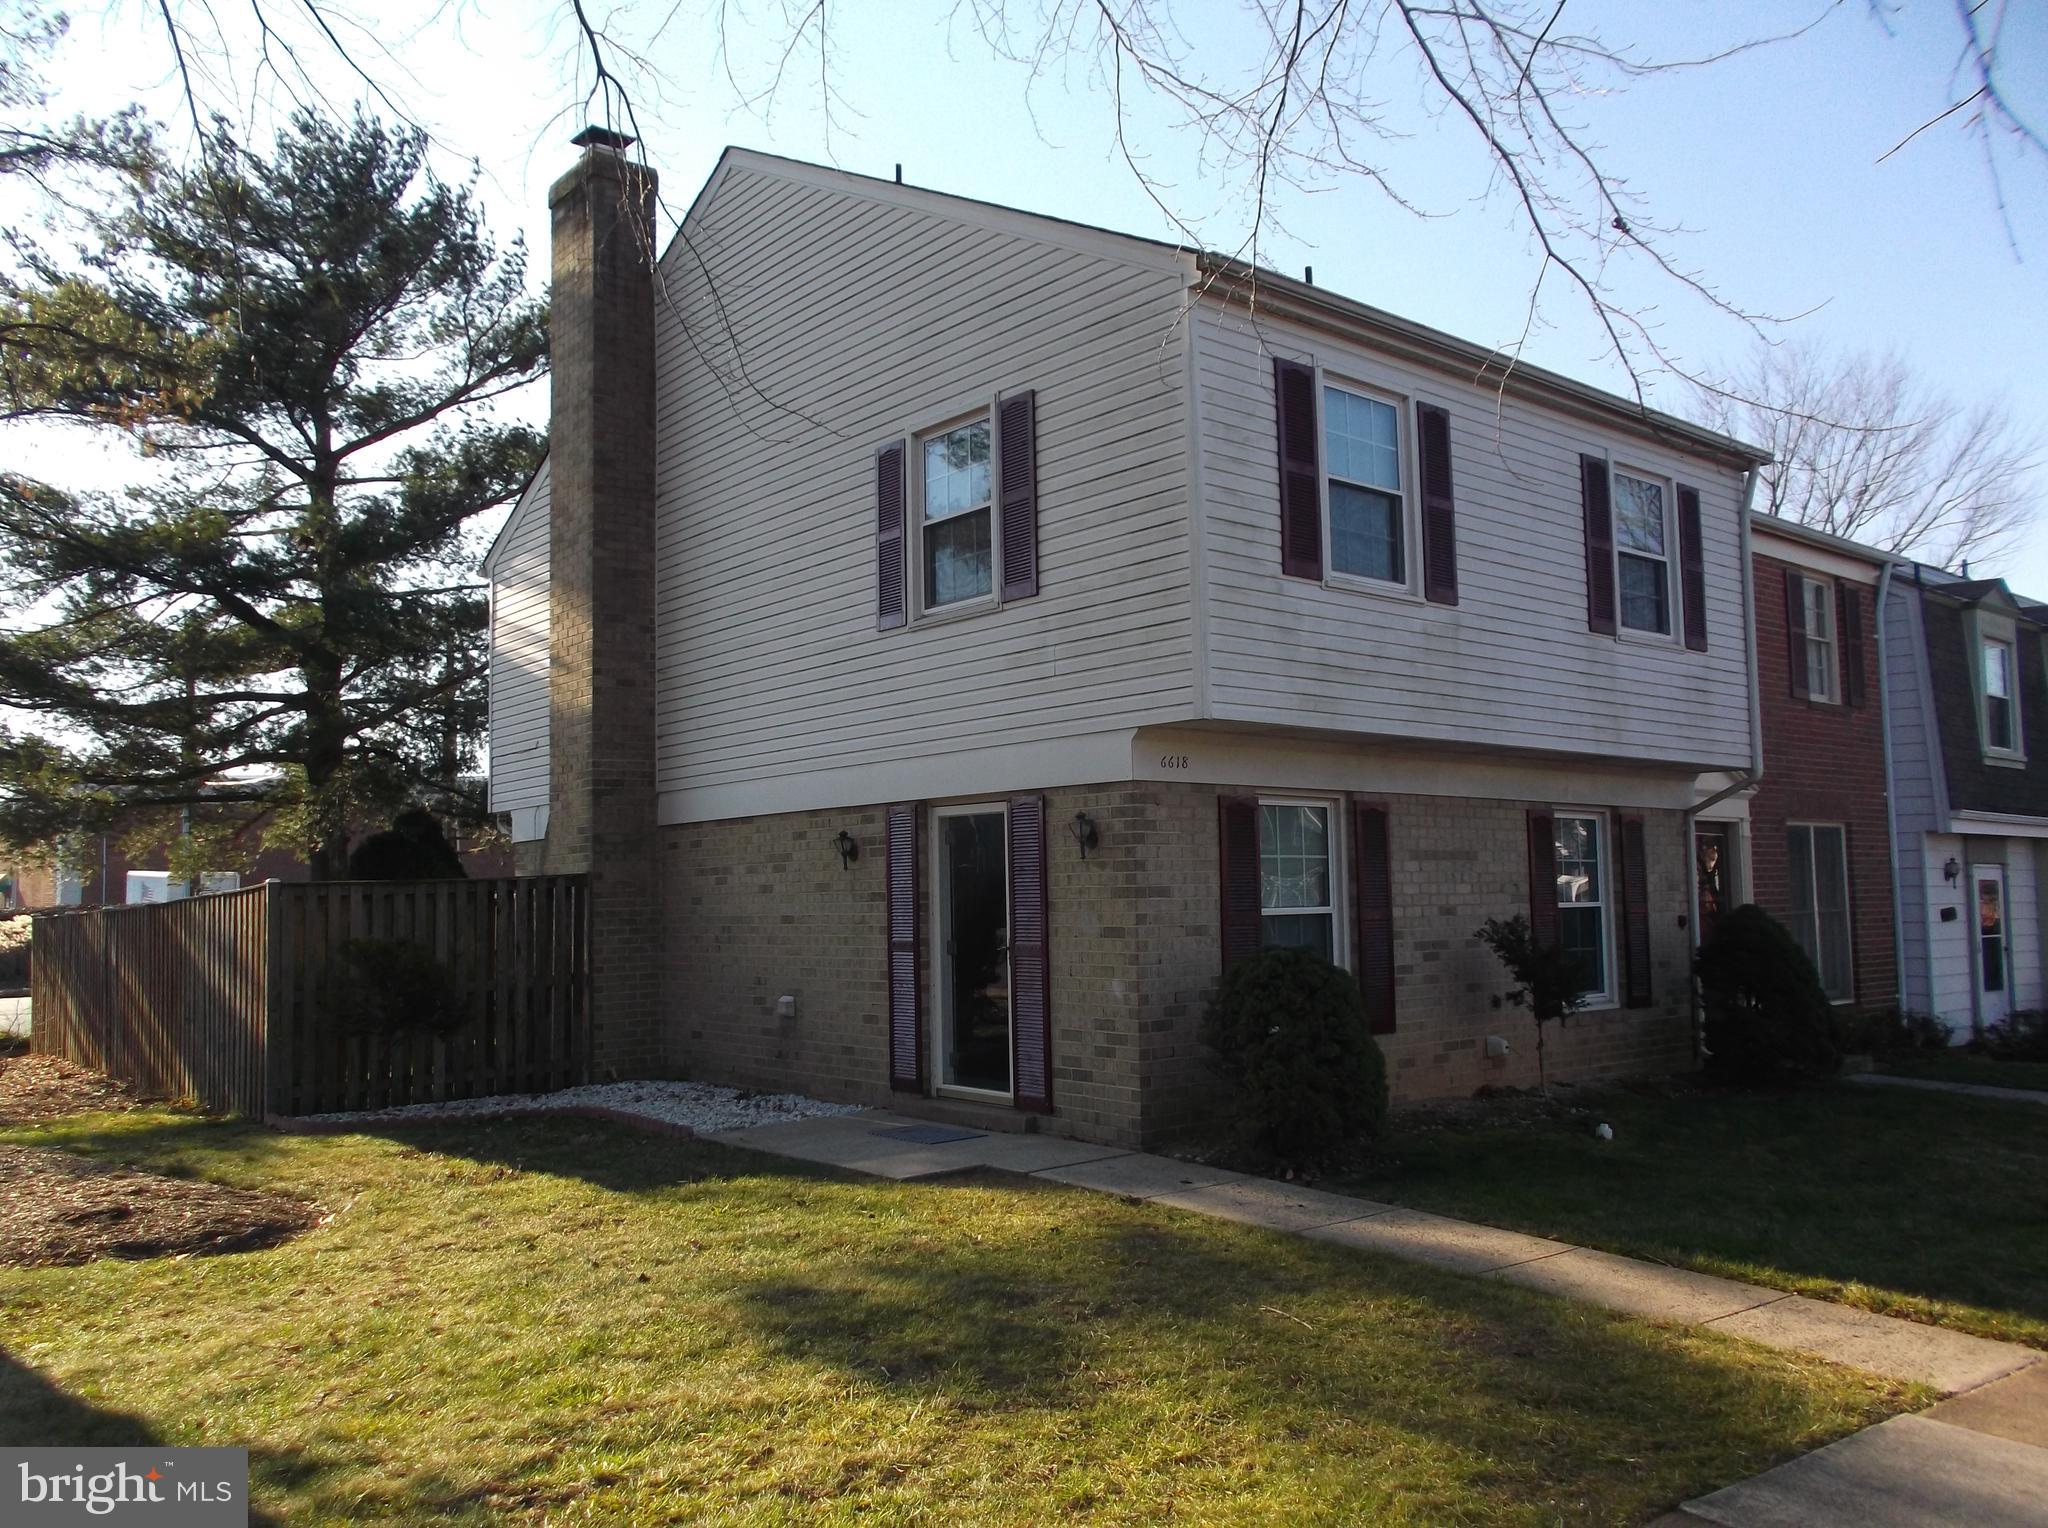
pixel 2001 708
pixel 1817 602
pixel 1297 890
pixel 1582 898
pixel 1642 552
pixel 954 509
pixel 1367 501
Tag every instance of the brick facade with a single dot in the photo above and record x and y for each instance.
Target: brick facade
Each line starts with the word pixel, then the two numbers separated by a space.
pixel 760 908
pixel 1824 763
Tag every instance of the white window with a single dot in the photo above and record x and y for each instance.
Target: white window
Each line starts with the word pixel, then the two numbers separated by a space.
pixel 2001 707
pixel 957 546
pixel 220 880
pixel 1297 889
pixel 1582 918
pixel 153 886
pixel 1365 496
pixel 70 887
pixel 1817 868
pixel 1817 602
pixel 1642 540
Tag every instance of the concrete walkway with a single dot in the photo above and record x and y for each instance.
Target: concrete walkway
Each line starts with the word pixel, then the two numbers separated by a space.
pixel 1968 1089
pixel 1979 1459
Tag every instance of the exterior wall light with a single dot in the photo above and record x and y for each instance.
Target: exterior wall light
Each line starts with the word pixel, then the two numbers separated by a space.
pixel 848 847
pixel 1951 870
pixel 1083 829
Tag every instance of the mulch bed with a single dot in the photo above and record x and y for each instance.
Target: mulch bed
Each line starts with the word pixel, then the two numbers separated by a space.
pixel 56 1208
pixel 46 1087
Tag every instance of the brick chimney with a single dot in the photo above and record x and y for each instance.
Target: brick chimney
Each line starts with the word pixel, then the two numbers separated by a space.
pixel 601 819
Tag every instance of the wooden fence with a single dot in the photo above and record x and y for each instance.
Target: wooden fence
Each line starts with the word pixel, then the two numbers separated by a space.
pixel 295 998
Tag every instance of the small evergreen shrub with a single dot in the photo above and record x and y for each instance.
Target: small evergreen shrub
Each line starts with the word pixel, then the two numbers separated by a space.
pixel 390 986
pixel 1767 1018
pixel 413 848
pixel 2020 1036
pixel 1891 1032
pixel 1289 1034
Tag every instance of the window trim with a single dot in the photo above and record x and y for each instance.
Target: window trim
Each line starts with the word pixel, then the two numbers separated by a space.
pixel 914 490
pixel 1841 830
pixel 1674 616
pixel 1341 953
pixel 1832 641
pixel 1612 995
pixel 933 956
pixel 2002 636
pixel 1409 585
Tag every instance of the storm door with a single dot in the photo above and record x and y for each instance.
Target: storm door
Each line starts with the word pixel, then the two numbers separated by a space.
pixel 971 958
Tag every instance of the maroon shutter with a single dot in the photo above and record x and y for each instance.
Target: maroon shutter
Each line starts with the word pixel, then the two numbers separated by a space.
pixel 1599 507
pixel 1542 876
pixel 1692 568
pixel 1849 614
pixel 1301 489
pixel 1795 632
pixel 1017 492
pixel 1439 506
pixel 1238 832
pixel 1030 963
pixel 1635 913
pixel 891 604
pixel 906 1038
pixel 1375 903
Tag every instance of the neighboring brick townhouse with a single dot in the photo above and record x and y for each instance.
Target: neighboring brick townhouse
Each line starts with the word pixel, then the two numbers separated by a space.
pixel 948 636
pixel 1819 827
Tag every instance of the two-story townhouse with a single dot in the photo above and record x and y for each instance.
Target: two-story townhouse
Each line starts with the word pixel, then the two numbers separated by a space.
pixel 1819 837
pixel 1967 703
pixel 948 637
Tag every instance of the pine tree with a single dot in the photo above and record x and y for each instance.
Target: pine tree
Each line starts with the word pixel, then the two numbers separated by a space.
pixel 304 345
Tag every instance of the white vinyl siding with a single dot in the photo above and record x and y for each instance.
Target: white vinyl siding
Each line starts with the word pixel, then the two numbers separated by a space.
pixel 1512 664
pixel 863 316
pixel 519 655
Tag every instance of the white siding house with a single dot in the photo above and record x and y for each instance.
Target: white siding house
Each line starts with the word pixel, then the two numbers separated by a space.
pixel 517 568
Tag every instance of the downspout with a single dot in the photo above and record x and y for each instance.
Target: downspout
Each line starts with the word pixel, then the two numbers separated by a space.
pixel 1749 777
pixel 1891 799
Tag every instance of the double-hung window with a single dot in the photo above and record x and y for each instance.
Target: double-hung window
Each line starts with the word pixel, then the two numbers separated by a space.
pixel 2001 711
pixel 954 512
pixel 1582 918
pixel 1297 889
pixel 1817 871
pixel 1642 552
pixel 1817 602
pixel 1367 498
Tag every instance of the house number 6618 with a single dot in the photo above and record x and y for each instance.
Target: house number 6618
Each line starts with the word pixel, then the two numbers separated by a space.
pixel 1173 761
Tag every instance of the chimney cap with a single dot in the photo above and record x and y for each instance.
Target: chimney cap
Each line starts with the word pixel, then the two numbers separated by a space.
pixel 594 137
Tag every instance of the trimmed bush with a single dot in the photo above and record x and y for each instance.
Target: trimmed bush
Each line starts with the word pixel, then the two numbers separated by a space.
pixel 1890 1032
pixel 413 848
pixel 1767 1018
pixel 2019 1036
pixel 1290 1036
pixel 390 986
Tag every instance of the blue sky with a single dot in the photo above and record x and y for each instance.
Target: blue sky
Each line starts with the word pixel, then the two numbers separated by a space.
pixel 1771 159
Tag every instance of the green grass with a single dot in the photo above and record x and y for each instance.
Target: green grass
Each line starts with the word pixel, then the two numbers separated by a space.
pixel 1926 1205
pixel 564 1321
pixel 1970 1067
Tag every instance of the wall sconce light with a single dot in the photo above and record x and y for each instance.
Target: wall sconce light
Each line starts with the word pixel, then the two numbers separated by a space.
pixel 848 847
pixel 1083 829
pixel 1951 870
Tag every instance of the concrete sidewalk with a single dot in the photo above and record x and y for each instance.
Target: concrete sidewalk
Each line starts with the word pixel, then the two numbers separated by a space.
pixel 890 1146
pixel 1967 1089
pixel 1979 1459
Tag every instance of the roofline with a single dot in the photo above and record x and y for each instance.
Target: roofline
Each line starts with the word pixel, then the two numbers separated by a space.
pixel 1792 530
pixel 1283 296
pixel 491 552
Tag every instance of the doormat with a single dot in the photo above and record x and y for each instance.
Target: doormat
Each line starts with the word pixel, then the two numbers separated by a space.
pixel 930 1135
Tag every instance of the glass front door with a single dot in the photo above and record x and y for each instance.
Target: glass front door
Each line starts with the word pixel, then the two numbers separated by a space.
pixel 1994 955
pixel 973 954
pixel 1714 865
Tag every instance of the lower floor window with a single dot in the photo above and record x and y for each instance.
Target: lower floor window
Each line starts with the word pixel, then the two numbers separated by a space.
pixel 1582 898
pixel 1296 905
pixel 1817 870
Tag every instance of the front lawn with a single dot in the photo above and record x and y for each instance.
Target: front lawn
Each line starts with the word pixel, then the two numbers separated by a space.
pixel 563 1322
pixel 1927 1205
pixel 1971 1067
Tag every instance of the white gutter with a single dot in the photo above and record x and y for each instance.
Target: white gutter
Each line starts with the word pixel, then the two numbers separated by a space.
pixel 1755 772
pixel 1891 797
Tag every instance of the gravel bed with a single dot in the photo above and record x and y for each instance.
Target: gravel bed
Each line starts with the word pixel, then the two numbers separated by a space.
pixel 698 1106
